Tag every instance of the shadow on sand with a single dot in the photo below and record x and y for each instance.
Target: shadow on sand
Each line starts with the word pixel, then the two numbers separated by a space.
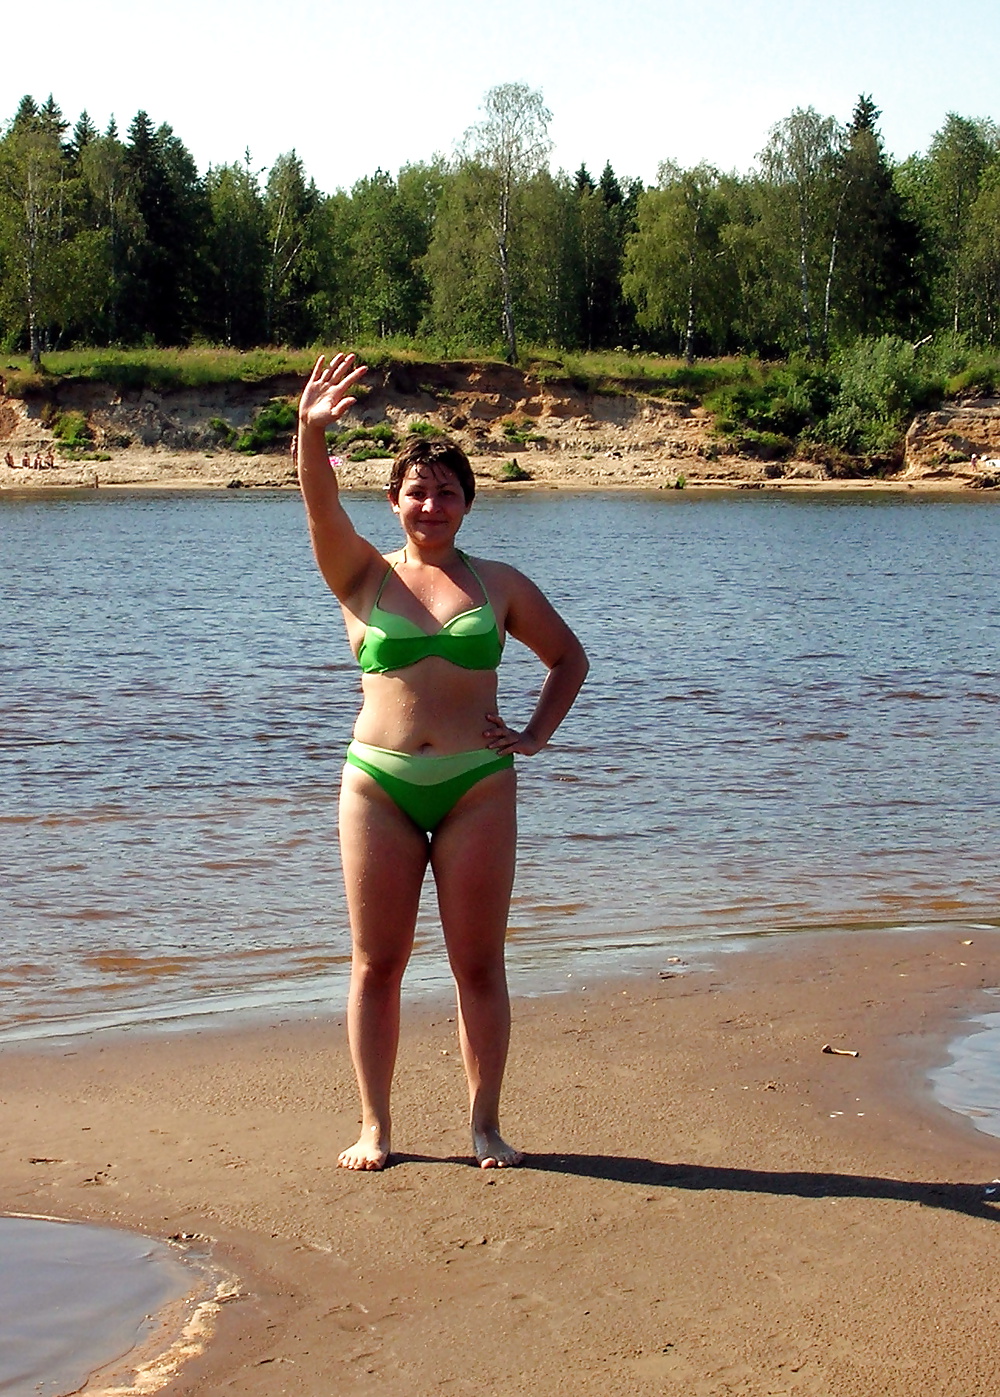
pixel 959 1198
pixel 971 1199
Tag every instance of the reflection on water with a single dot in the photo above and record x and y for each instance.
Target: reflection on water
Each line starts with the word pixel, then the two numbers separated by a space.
pixel 75 1298
pixel 791 721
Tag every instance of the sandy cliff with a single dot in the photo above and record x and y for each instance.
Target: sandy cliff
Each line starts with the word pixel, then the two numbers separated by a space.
pixel 557 432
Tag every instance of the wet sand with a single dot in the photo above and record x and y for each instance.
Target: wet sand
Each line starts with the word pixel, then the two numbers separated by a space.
pixel 710 1204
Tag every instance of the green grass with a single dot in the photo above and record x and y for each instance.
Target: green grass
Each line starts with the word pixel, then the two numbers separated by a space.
pixel 157 368
pixel 609 371
pixel 205 365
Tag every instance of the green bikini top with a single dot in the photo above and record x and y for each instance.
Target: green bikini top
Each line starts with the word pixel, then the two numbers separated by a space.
pixel 470 640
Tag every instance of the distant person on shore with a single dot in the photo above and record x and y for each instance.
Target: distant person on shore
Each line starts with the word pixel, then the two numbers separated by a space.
pixel 429 778
pixel 9 461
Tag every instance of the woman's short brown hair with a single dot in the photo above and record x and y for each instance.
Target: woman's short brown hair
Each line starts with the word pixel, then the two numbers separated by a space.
pixel 436 453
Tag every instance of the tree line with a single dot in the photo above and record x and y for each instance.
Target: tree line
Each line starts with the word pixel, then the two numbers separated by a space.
pixel 110 240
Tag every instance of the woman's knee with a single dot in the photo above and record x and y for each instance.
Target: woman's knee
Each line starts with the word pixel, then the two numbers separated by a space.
pixel 482 976
pixel 378 970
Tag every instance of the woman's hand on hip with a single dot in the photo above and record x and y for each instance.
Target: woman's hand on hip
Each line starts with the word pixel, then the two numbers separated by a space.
pixel 503 739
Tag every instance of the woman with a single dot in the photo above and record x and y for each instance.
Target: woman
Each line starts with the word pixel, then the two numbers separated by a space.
pixel 429 776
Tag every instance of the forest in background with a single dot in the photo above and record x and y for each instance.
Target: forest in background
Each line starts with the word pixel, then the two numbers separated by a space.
pixel 875 284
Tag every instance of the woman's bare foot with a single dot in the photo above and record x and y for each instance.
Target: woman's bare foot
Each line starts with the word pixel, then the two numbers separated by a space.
pixel 493 1152
pixel 371 1152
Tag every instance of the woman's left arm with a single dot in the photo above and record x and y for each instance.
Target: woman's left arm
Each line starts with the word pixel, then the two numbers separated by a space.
pixel 532 619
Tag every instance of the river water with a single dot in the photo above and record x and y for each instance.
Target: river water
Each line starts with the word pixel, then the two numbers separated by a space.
pixel 791 723
pixel 75 1298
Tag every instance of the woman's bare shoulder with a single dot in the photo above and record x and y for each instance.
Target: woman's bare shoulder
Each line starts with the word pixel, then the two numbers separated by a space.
pixel 499 575
pixel 359 601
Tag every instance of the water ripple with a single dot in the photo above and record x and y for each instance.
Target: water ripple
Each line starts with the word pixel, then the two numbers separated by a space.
pixel 788 723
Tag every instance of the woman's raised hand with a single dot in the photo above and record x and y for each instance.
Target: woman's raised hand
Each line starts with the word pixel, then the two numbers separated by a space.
pixel 325 397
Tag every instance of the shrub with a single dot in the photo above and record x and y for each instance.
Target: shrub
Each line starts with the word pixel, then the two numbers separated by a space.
pixel 424 429
pixel 276 420
pixel 787 401
pixel 367 453
pixel 376 441
pixel 766 446
pixel 225 433
pixel 512 470
pixel 72 430
pixel 879 386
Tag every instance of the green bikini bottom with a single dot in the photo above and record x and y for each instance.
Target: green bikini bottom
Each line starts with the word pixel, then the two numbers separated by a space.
pixel 425 788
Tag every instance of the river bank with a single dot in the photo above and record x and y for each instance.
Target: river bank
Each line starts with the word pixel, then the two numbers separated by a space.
pixel 516 429
pixel 710 1201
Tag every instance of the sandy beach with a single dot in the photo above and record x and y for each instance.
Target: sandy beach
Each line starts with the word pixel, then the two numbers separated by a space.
pixel 710 1204
pixel 155 469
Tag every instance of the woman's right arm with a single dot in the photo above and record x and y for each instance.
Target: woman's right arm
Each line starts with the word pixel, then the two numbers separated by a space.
pixel 345 558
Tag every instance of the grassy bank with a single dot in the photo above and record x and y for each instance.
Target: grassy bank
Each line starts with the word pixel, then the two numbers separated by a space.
pixel 202 366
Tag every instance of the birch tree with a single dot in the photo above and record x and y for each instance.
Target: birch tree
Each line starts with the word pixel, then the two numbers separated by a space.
pixel 960 154
pixel 802 162
pixel 503 152
pixel 291 203
pixel 676 268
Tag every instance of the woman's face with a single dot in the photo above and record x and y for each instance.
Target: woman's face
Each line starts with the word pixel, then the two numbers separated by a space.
pixel 431 504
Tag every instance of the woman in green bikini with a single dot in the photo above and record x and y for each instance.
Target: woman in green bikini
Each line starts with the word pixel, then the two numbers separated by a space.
pixel 429 775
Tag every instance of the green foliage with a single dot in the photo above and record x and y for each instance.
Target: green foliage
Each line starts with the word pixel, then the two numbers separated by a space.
pixel 878 387
pixel 72 429
pixel 368 453
pixel 382 432
pixel 676 270
pixel 857 405
pixel 424 429
pixel 768 446
pixel 614 371
pixel 519 433
pixel 24 382
pixel 117 242
pixel 363 443
pixel 980 378
pixel 784 400
pixel 226 433
pixel 271 424
pixel 237 253
pixel 513 470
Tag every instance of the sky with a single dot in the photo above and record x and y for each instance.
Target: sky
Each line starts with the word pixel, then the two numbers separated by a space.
pixel 356 88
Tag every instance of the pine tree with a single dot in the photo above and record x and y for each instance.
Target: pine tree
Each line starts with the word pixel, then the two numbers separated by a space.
pixel 26 115
pixel 583 181
pixel 51 119
pixel 168 268
pixel 83 133
pixel 878 277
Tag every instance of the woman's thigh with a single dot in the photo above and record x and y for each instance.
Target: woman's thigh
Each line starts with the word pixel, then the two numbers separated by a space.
pixel 384 858
pixel 473 854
